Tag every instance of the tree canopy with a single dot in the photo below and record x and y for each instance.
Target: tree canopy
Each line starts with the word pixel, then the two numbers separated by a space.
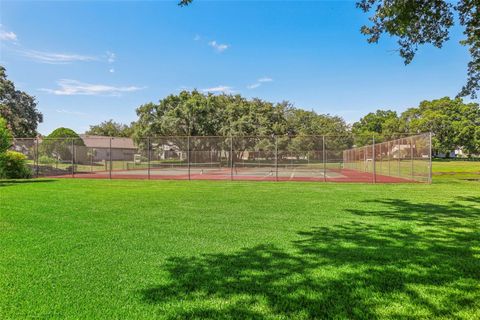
pixel 63 133
pixel 111 128
pixel 197 114
pixel 454 124
pixel 384 124
pixel 418 22
pixel 58 144
pixel 18 108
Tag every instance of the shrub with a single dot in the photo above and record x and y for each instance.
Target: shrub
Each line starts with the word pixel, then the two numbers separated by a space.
pixel 13 166
pixel 46 160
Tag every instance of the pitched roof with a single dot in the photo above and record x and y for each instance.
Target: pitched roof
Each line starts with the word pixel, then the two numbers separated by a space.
pixel 104 142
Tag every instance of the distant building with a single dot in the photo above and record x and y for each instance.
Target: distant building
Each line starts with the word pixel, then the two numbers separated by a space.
pixel 98 148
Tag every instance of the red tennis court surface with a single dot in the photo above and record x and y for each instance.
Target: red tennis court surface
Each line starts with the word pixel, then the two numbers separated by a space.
pixel 330 175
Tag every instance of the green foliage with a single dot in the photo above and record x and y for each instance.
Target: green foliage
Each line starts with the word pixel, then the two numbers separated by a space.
pixel 455 124
pixel 58 144
pixel 18 108
pixel 415 23
pixel 5 136
pixel 384 125
pixel 111 128
pixel 44 159
pixel 63 133
pixel 197 114
pixel 13 166
pixel 381 122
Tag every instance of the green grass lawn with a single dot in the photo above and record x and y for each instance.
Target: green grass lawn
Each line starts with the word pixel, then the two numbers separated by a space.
pixel 100 249
pixel 445 166
pixel 453 170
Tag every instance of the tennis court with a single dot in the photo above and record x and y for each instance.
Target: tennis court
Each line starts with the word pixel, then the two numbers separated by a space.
pixel 214 171
pixel 305 158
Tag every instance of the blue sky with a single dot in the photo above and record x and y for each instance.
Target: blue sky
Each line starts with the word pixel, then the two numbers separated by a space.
pixel 92 61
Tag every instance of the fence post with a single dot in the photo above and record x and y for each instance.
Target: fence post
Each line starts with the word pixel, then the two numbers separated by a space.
pixel 110 159
pixel 36 157
pixel 276 158
pixel 324 160
pixel 188 156
pixel 231 158
pixel 398 157
pixel 389 155
pixel 373 161
pixel 430 157
pixel 411 158
pixel 73 158
pixel 365 163
pixel 148 155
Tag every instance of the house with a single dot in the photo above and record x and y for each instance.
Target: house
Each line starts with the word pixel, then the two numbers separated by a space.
pixel 399 151
pixel 97 148
pixel 167 151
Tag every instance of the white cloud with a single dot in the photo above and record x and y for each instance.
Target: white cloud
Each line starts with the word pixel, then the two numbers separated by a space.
pixel 253 86
pixel 111 70
pixel 55 58
pixel 218 46
pixel 111 57
pixel 69 87
pixel 219 89
pixel 265 79
pixel 259 82
pixel 74 113
pixel 7 35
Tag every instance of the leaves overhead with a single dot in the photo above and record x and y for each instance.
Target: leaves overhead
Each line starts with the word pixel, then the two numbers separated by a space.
pixel 417 22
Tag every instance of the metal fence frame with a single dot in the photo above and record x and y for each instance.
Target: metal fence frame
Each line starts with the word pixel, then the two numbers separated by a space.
pixel 394 154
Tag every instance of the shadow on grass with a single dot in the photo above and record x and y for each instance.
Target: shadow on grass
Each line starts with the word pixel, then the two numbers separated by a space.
pixel 356 270
pixel 6 183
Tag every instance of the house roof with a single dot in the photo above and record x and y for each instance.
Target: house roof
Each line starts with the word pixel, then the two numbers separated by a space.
pixel 104 142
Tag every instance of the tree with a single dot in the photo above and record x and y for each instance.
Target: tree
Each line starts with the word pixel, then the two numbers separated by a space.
pixel 111 128
pixel 455 124
pixel 197 114
pixel 416 22
pixel 189 113
pixel 383 124
pixel 306 128
pixel 254 120
pixel 5 136
pixel 18 108
pixel 58 144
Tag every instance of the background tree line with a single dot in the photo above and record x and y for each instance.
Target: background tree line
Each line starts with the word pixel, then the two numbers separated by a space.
pixel 454 123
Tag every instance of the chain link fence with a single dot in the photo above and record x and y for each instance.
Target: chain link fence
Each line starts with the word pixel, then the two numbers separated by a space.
pixel 346 158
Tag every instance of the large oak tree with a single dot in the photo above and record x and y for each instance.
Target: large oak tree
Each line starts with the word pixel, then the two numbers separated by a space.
pixel 18 108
